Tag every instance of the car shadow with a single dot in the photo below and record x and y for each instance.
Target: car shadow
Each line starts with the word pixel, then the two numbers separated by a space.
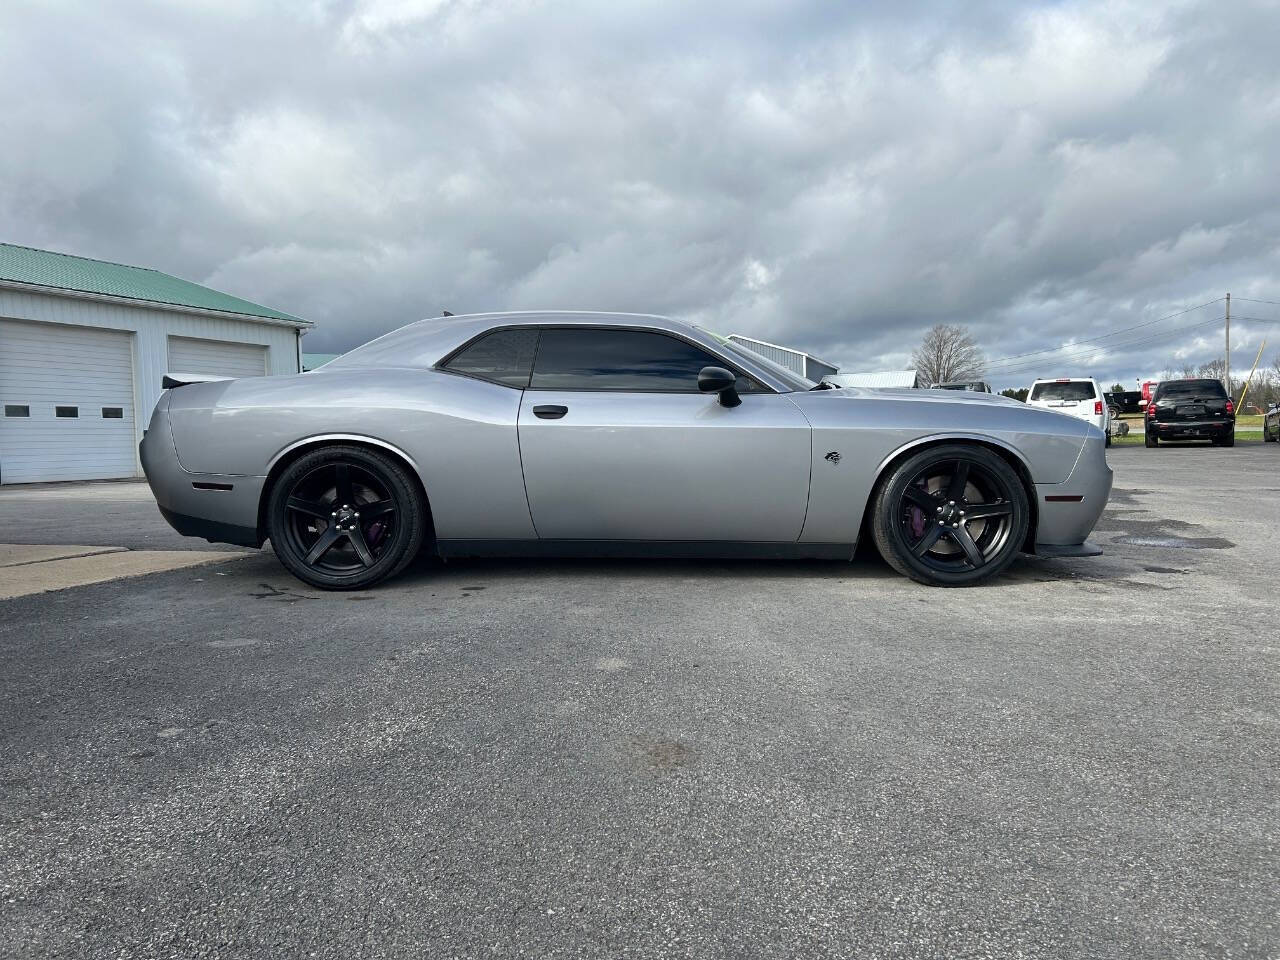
pixel 558 568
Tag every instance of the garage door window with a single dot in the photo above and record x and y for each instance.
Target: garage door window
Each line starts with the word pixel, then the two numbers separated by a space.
pixel 66 413
pixel 16 410
pixel 113 413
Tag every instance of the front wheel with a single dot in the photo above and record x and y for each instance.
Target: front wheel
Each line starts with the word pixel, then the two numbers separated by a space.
pixel 345 517
pixel 951 516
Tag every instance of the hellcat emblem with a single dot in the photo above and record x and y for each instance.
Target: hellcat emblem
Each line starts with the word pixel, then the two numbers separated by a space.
pixel 833 456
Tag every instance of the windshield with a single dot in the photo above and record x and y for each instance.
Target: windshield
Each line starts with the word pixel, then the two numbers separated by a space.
pixel 792 379
pixel 1191 388
pixel 1071 390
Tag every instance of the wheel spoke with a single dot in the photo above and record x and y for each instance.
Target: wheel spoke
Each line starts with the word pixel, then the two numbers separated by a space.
pixel 921 497
pixel 980 511
pixel 322 545
pixel 958 481
pixel 971 552
pixel 378 508
pixel 311 508
pixel 356 536
pixel 921 547
pixel 342 480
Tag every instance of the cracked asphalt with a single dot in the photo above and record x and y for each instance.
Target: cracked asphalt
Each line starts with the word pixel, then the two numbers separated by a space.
pixel 654 759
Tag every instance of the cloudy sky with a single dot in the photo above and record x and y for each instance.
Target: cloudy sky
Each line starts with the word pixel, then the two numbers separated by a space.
pixel 833 176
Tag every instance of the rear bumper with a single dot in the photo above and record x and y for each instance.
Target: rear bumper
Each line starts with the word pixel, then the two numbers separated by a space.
pixel 215 531
pixel 1191 429
pixel 220 508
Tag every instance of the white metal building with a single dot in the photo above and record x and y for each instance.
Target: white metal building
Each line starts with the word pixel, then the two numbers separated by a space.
pixel 795 360
pixel 84 345
pixel 878 380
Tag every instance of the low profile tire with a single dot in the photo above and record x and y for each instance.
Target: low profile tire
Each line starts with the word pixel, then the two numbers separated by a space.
pixel 950 516
pixel 344 518
pixel 1152 441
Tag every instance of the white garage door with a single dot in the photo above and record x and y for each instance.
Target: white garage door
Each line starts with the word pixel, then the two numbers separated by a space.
pixel 216 358
pixel 68 403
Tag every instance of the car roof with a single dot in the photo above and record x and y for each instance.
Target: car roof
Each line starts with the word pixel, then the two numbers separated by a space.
pixel 426 342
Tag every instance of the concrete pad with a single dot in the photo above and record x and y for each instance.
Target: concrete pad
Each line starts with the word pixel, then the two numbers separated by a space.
pixel 20 554
pixel 28 578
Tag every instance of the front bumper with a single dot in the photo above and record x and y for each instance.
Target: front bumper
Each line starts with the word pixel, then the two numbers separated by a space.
pixel 1067 512
pixel 218 507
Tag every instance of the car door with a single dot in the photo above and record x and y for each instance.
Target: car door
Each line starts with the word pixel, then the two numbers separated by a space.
pixel 617 443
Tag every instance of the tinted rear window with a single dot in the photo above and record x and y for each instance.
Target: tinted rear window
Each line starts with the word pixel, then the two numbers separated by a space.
pixel 1071 390
pixel 1191 388
pixel 504 356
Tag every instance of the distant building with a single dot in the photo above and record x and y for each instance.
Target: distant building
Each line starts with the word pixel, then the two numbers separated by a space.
pixel 311 361
pixel 795 360
pixel 882 379
pixel 85 343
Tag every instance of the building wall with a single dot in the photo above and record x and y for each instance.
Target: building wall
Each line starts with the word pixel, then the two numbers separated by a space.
pixel 815 370
pixel 151 329
pixel 790 359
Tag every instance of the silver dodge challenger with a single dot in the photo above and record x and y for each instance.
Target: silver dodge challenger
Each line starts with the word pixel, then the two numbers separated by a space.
pixel 590 434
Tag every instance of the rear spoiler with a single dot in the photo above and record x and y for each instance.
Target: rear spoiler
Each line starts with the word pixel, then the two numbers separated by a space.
pixel 171 381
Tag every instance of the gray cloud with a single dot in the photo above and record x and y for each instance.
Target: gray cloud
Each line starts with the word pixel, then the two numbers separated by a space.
pixel 834 176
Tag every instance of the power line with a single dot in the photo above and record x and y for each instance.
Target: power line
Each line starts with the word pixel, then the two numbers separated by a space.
pixel 1113 333
pixel 1115 346
pixel 1275 303
pixel 1258 319
pixel 1078 357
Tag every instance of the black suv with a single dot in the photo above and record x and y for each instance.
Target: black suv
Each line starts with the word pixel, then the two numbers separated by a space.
pixel 1191 410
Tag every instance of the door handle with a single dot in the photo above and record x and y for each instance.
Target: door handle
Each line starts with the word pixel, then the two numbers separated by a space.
pixel 549 411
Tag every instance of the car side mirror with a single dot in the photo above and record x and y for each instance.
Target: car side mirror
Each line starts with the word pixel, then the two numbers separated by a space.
pixel 721 381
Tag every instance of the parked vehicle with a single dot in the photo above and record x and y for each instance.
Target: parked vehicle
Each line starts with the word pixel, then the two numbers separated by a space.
pixel 609 434
pixel 1271 424
pixel 1148 391
pixel 973 386
pixel 1124 401
pixel 1191 410
pixel 1075 396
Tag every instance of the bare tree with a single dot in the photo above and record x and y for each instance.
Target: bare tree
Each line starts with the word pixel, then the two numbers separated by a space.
pixel 948 353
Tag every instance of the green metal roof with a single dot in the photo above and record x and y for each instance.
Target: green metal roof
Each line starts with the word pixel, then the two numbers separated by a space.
pixel 312 360
pixel 62 271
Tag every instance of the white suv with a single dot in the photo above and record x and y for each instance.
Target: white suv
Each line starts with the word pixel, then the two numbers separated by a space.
pixel 1076 396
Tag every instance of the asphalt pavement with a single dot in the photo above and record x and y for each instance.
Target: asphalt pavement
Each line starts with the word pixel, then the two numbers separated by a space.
pixel 657 759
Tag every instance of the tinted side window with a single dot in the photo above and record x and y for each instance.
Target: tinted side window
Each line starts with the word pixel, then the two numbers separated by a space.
pixel 620 360
pixel 504 356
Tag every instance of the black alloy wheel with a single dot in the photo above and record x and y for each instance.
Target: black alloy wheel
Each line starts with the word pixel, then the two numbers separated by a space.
pixel 343 518
pixel 955 515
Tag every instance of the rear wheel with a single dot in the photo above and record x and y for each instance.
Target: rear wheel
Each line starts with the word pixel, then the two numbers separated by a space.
pixel 951 516
pixel 1152 441
pixel 344 518
pixel 1228 441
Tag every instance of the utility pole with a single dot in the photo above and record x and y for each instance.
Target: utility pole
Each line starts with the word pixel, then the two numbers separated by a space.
pixel 1228 358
